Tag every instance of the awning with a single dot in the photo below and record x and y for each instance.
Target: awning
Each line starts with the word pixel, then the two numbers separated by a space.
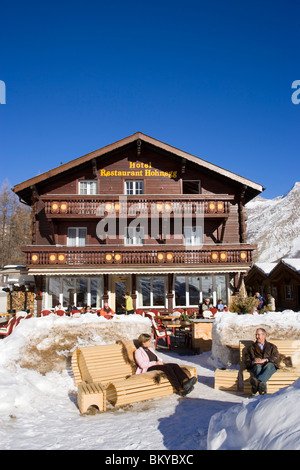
pixel 157 270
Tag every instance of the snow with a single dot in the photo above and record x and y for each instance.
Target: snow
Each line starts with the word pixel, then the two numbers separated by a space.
pixel 274 226
pixel 293 263
pixel 38 408
pixel 266 267
pixel 269 423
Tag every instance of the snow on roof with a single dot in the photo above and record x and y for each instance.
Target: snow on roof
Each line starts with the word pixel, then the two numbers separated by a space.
pixel 266 267
pixel 293 263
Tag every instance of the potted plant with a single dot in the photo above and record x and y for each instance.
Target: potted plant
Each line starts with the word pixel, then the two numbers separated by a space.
pixel 185 319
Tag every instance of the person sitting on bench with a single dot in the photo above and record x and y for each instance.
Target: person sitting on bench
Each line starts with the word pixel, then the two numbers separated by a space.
pixel 262 360
pixel 147 360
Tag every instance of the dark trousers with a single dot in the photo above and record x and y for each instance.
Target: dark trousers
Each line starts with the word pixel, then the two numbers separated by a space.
pixel 173 372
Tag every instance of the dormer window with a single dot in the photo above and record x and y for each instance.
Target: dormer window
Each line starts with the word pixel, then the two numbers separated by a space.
pixel 87 187
pixel 134 187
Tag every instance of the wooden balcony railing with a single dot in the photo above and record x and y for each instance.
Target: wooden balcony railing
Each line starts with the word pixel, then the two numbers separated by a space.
pixel 91 206
pixel 141 256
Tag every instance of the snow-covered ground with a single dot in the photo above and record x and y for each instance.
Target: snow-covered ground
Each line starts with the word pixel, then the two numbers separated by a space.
pixel 39 411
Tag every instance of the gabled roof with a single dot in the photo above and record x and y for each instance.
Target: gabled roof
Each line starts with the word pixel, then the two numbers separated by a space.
pixel 267 269
pixel 255 187
pixel 293 263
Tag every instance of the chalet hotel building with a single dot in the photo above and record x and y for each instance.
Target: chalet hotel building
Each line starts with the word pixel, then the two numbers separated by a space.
pixel 139 216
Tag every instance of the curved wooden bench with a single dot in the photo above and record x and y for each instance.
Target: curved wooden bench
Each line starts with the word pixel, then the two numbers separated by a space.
pixel 107 372
pixel 136 388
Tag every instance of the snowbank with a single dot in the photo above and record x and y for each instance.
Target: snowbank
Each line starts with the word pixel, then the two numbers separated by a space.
pixel 229 328
pixel 44 344
pixel 270 422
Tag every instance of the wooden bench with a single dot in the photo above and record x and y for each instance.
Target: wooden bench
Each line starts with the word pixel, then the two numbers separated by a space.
pixel 239 380
pixel 92 394
pixel 227 379
pixel 107 374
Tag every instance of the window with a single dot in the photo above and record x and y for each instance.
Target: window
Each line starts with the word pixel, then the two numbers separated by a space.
pixel 53 291
pixel 81 291
pixel 191 187
pixel 158 291
pixel 68 291
pixel 76 236
pixel 193 236
pixel 145 291
pixel 95 292
pixel 207 286
pixel 221 287
pixel 187 290
pixel 151 291
pixel 87 187
pixel 180 291
pixel 134 235
pixel 134 187
pixel 289 292
pixel 191 290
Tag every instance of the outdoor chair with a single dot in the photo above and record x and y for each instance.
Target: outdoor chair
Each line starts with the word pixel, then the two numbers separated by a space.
pixel 177 314
pixel 209 313
pixel 160 331
pixel 152 316
pixel 73 313
pixel 60 313
pixel 44 313
pixel 7 329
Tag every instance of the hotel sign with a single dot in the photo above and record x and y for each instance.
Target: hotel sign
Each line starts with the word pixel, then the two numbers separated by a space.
pixel 138 170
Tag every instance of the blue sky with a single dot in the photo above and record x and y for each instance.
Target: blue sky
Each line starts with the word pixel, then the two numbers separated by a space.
pixel 212 78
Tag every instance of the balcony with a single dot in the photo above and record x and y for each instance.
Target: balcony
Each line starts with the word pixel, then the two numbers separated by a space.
pixel 97 255
pixel 73 206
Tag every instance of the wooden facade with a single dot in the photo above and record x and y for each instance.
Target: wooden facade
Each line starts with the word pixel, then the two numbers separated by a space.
pixel 281 280
pixel 138 215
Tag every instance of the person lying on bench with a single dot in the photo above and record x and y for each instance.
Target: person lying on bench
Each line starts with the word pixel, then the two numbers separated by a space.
pixel 262 360
pixel 147 360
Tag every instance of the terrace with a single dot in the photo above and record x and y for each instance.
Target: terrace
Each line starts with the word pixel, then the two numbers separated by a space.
pixel 62 206
pixel 100 255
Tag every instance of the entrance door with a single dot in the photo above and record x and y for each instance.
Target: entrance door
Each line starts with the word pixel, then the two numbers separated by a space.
pixel 119 285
